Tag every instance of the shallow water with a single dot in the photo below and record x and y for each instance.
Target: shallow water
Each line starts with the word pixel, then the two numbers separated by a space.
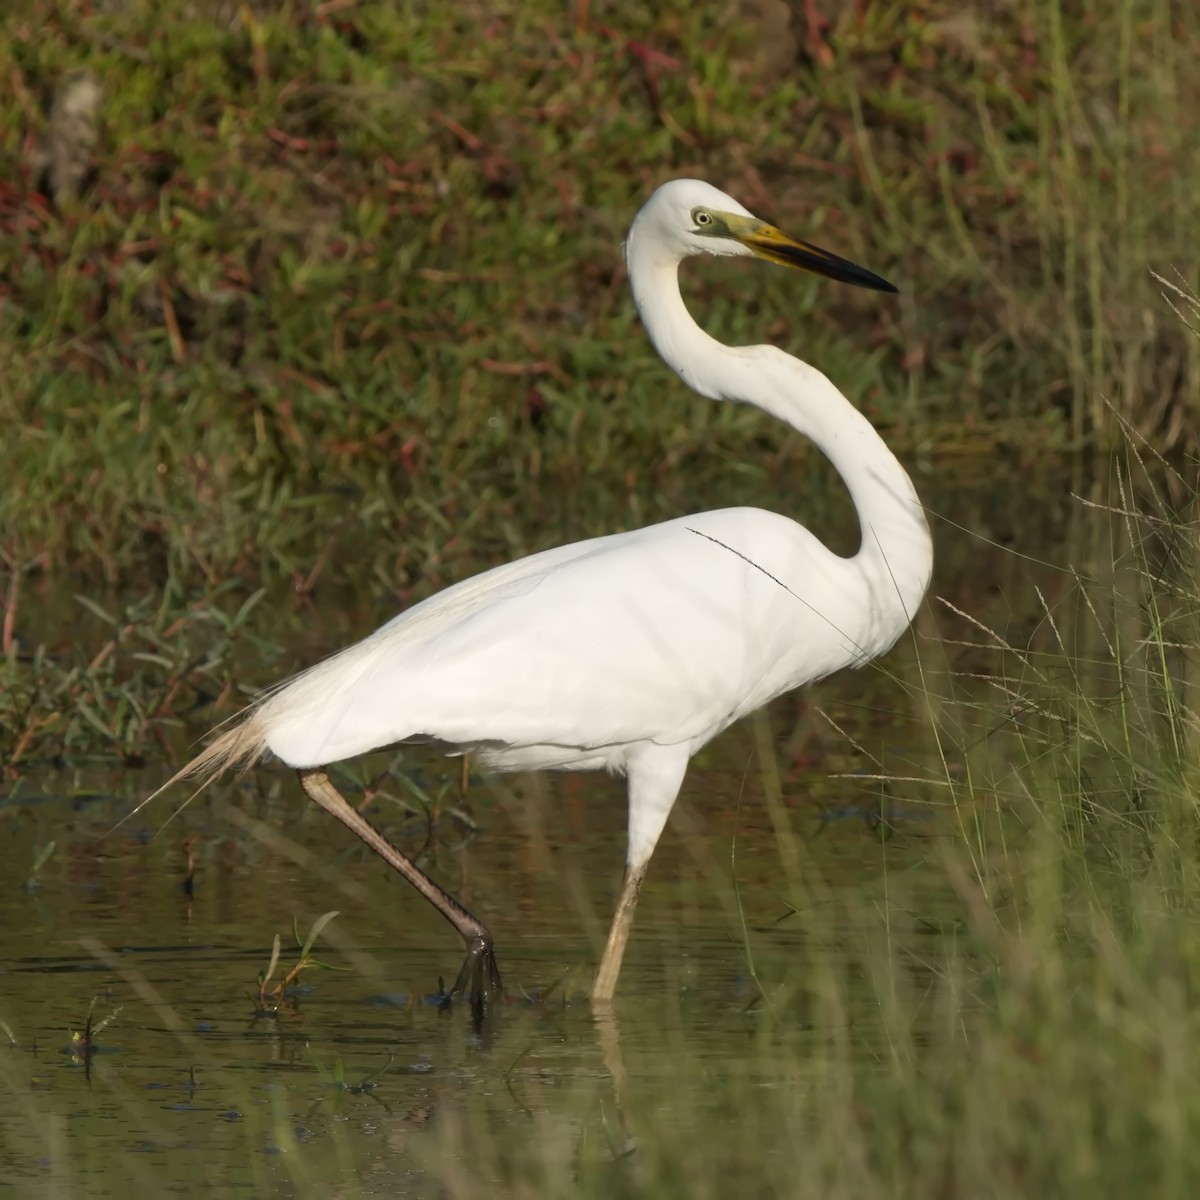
pixel 359 1076
pixel 192 1083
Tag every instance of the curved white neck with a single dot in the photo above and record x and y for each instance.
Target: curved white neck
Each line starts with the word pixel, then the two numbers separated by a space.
pixel 896 553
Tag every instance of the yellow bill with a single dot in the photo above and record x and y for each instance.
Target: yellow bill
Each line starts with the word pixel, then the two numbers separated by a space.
pixel 775 246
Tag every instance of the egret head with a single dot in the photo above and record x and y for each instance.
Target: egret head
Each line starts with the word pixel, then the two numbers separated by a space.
pixel 687 217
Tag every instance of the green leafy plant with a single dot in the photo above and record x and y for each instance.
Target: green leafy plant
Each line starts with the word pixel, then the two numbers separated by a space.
pixel 271 996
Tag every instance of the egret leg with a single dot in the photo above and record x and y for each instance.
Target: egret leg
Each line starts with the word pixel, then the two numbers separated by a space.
pixel 655 774
pixel 618 935
pixel 479 978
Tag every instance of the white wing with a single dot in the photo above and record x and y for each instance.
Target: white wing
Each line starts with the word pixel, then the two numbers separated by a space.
pixel 663 634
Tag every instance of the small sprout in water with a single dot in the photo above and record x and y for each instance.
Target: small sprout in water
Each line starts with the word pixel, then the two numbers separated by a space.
pixel 41 856
pixel 270 998
pixel 189 880
pixel 336 1077
pixel 82 1045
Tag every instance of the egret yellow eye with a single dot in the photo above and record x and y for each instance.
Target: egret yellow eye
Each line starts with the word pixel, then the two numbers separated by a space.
pixel 702 218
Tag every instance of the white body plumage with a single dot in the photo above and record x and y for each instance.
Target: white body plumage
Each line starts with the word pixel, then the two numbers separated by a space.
pixel 629 652
pixel 571 657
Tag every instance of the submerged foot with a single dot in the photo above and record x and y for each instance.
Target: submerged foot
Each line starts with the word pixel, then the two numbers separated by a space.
pixel 478 980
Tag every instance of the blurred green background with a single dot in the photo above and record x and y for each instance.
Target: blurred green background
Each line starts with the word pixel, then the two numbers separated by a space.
pixel 339 250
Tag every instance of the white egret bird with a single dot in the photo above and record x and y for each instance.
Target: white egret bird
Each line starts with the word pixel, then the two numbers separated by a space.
pixel 625 653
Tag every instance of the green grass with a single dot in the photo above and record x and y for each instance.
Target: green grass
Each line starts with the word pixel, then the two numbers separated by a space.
pixel 344 296
pixel 334 259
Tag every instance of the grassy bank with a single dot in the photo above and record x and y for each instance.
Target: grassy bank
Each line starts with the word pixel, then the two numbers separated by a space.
pixel 356 262
pixel 336 292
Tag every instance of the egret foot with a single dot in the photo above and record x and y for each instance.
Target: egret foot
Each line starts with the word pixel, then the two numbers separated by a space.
pixel 479 978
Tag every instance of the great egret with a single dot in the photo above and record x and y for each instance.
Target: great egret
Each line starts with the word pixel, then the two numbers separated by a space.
pixel 625 653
